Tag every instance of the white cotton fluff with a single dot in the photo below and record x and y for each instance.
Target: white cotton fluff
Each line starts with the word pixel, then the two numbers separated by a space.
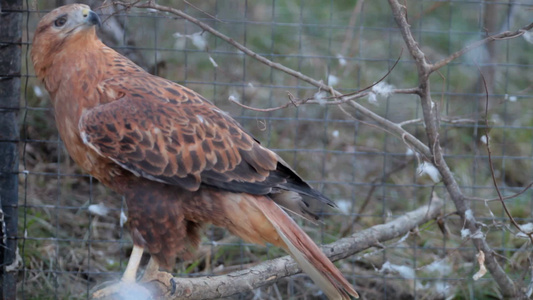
pixel 123 218
pixel 403 271
pixel 38 91
pixel 442 288
pixel 320 97
pixel 98 209
pixel 234 96
pixel 197 39
pixel 527 228
pixel 181 41
pixel 342 60
pixel 335 133
pixel 440 267
pixel 465 233
pixel 427 168
pixel 213 62
pixel 469 215
pixel 133 291
pixel 478 235
pixel 383 89
pixel 528 36
pixel 332 80
pixel 484 139
pixel 344 206
pixel 372 98
pixel 510 98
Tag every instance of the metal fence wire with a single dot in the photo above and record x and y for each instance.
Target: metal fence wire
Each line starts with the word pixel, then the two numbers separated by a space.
pixel 62 235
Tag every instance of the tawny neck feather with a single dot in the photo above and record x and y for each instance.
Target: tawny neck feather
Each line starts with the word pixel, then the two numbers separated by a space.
pixel 57 58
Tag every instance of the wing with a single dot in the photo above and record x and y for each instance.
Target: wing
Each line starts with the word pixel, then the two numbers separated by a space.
pixel 162 131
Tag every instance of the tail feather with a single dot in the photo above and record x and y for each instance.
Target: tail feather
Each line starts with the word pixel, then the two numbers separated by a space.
pixel 306 253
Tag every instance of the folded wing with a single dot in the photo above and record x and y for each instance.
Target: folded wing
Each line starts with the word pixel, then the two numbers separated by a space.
pixel 166 132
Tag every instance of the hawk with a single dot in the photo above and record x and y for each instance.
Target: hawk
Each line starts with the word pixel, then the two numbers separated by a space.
pixel 179 161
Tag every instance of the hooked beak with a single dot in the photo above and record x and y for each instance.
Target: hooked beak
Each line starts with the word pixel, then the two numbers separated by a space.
pixel 91 17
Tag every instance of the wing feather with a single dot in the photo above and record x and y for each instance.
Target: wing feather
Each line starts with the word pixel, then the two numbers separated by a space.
pixel 168 133
pixel 173 135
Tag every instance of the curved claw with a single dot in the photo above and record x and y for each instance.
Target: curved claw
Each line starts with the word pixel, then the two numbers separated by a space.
pixel 173 288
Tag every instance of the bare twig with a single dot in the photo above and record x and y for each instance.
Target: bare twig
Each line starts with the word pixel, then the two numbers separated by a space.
pixel 444 119
pixel 313 100
pixel 491 165
pixel 527 187
pixel 214 287
pixel 203 11
pixel 500 36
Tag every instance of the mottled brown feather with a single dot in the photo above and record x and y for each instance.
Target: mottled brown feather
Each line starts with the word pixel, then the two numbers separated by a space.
pixel 176 142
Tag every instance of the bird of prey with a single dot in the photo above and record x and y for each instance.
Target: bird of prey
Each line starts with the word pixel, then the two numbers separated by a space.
pixel 179 161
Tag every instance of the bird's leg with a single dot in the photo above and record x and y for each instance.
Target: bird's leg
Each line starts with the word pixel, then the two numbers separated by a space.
pixel 133 264
pixel 127 285
pixel 152 273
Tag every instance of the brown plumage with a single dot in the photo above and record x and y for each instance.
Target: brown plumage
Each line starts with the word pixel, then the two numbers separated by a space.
pixel 180 161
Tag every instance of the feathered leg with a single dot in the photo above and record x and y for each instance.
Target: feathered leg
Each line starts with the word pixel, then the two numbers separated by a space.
pixel 130 274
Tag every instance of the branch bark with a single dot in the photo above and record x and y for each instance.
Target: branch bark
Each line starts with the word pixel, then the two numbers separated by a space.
pixel 214 287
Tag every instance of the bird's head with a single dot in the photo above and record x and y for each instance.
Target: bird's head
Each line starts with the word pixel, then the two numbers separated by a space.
pixel 66 23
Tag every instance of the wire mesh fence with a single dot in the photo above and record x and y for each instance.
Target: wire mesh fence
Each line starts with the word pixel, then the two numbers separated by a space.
pixel 70 235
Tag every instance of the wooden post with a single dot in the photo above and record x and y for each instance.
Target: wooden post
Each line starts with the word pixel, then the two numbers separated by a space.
pixel 10 66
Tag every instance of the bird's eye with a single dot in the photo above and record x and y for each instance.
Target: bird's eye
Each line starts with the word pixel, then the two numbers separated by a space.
pixel 59 22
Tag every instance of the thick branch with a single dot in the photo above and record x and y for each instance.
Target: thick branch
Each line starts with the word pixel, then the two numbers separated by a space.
pixel 429 108
pixel 214 287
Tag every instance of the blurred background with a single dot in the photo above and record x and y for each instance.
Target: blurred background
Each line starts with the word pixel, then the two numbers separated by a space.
pixel 69 232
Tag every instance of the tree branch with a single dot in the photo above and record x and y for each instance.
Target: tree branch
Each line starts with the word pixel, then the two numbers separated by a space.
pixel 431 119
pixel 214 287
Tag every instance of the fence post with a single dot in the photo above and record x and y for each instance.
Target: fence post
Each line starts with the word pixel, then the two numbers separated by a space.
pixel 10 70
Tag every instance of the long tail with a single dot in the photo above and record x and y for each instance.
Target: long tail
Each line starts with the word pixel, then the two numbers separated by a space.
pixel 306 253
